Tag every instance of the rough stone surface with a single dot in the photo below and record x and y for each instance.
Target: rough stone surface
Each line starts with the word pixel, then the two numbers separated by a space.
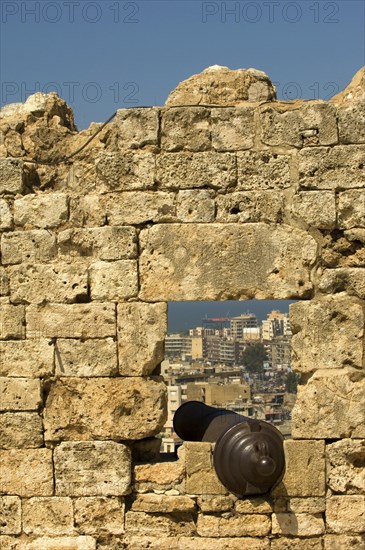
pixel 6 218
pixel 194 543
pixel 126 171
pixel 12 322
pixel 219 85
pixel 4 282
pixel 195 206
pixel 304 525
pixel 48 516
pixel 330 406
pixel 350 280
pixel 254 525
pixel 339 542
pixel 20 394
pixel 315 208
pixel 345 466
pixel 104 408
pixel 27 246
pixel 346 514
pixel 163 504
pixel 216 503
pixel 139 207
pixel 262 170
pixel 43 211
pixel 21 430
pixel 113 280
pixel 97 515
pixel 186 129
pixel 284 543
pixel 351 209
pixel 158 475
pixel 253 505
pixel 250 206
pixel 92 468
pixel 137 128
pixel 141 333
pixel 97 357
pixel 61 543
pixel 214 262
pixel 26 472
pixel 141 523
pixel 353 92
pixel 309 505
pixel 351 122
pixel 71 321
pixel 11 176
pixel 232 129
pixel 26 358
pixel 10 515
pixel 104 243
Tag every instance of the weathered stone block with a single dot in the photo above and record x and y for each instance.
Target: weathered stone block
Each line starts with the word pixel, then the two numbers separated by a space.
pixel 212 262
pixel 26 358
pixel 26 472
pixel 71 321
pixel 345 466
pixel 254 505
pixel 280 127
pixel 316 208
pixel 116 280
pixel 161 475
pixel 10 515
pixel 27 246
pixel 349 279
pixel 250 206
pixel 327 334
pixel 262 170
pixel 185 128
pixel 35 283
pixel 216 503
pixel 254 525
pixel 61 543
pixel 332 167
pixel 20 394
pixel 195 206
pixel 12 322
pixel 351 122
pixel 187 170
pixel 139 207
pixel 198 457
pixel 104 408
pixel 310 505
pixel 86 357
pixel 41 210
pixel 339 542
pixel 21 430
pixel 11 175
pixel 302 525
pixel 92 468
pixel 137 128
pixel 87 211
pixel 104 243
pixel 351 209
pixel 163 504
pixel 232 129
pixel 320 118
pixel 283 543
pixel 141 334
pixel 346 514
pixel 96 515
pixel 141 523
pixel 48 516
pixel 6 217
pixel 193 543
pixel 4 282
pixel 304 470
pixel 126 171
pixel 330 406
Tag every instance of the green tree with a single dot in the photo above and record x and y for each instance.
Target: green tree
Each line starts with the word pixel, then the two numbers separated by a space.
pixel 254 357
pixel 291 382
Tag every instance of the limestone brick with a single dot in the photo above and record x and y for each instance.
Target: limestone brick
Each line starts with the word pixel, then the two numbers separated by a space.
pixel 20 394
pixel 211 262
pixel 346 514
pixel 41 210
pixel 345 466
pixel 331 167
pixel 22 430
pixel 159 475
pixel 10 515
pixel 92 468
pixel 11 175
pixel 187 171
pixel 87 211
pixel 195 206
pixel 35 283
pixel 351 209
pixel 27 246
pixel 104 408
pixel 194 543
pixel 302 525
pixel 12 322
pixel 139 207
pixel 104 243
pixel 97 515
pixel 71 321
pixel 6 217
pixel 185 128
pixel 80 358
pixel 163 504
pixel 309 505
pixel 254 505
pixel 315 208
pixel 26 472
pixel 48 516
pixel 26 358
pixel 113 280
pixel 141 523
pixel 137 128
pixel 216 503
pixel 250 206
pixel 304 469
pixel 124 171
pixel 232 129
pixel 61 543
pixel 330 406
pixel 351 122
pixel 141 333
pixel 262 170
pixel 339 542
pixel 349 279
pixel 284 543
pixel 254 525
pixel 4 282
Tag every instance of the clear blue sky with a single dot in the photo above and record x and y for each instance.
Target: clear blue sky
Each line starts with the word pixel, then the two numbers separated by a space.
pixel 102 55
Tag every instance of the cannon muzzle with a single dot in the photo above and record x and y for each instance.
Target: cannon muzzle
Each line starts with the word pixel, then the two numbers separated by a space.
pixel 248 454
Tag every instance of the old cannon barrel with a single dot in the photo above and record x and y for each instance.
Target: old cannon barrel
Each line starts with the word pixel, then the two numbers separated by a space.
pixel 248 454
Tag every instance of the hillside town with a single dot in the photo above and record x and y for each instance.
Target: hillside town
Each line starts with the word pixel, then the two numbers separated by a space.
pixel 236 363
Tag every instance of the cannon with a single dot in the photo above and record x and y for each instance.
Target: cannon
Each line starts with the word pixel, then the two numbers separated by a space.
pixel 248 455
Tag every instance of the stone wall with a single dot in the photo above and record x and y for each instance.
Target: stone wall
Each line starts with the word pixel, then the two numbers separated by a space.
pixel 224 193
